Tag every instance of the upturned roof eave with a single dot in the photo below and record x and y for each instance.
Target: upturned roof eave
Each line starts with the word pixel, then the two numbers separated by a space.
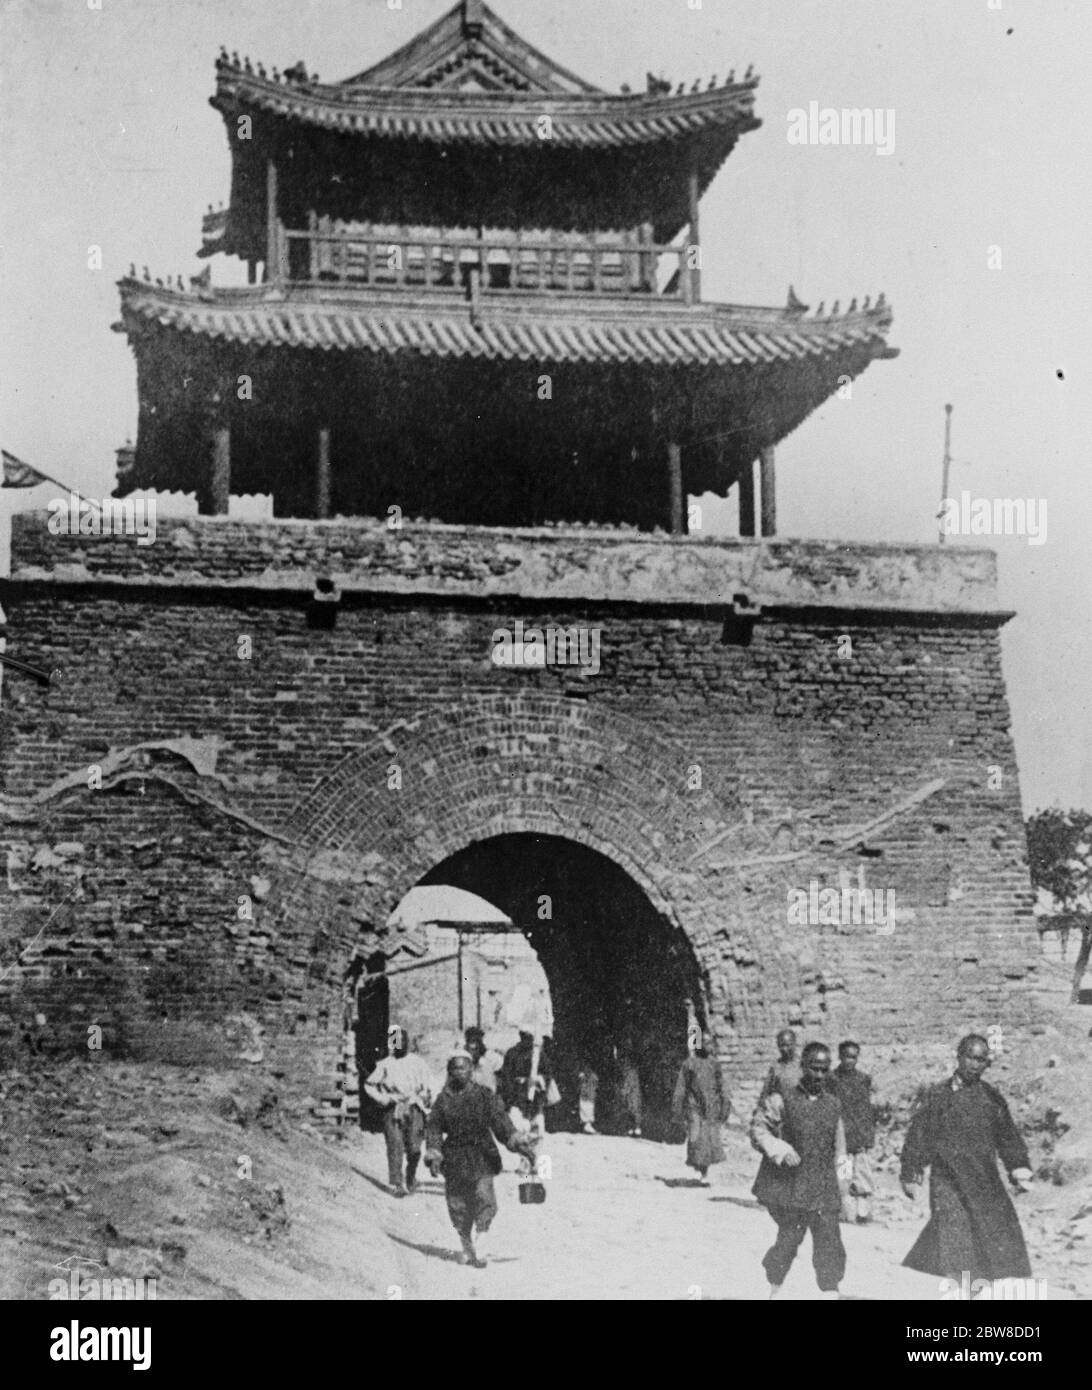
pixel 813 335
pixel 617 119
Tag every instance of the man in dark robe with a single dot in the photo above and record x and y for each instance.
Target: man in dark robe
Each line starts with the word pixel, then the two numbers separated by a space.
pixel 854 1091
pixel 459 1134
pixel 700 1102
pixel 802 1141
pixel 630 1099
pixel 961 1129
pixel 784 1075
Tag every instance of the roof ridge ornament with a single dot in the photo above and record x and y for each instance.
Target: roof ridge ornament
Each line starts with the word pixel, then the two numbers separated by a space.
pixel 473 18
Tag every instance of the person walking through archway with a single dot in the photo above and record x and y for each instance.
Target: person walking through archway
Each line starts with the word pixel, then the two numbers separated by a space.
pixel 631 1100
pixel 588 1080
pixel 701 1103
pixel 461 1132
pixel 525 1080
pixel 402 1086
pixel 487 1063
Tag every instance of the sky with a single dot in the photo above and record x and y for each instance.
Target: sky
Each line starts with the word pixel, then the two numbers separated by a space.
pixel 976 226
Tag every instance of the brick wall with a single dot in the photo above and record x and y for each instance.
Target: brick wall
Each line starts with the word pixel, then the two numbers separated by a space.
pixel 272 779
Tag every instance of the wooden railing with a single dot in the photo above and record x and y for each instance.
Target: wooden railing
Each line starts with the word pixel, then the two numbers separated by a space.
pixel 514 264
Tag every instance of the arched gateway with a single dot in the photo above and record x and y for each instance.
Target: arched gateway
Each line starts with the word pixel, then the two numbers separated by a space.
pixel 577 822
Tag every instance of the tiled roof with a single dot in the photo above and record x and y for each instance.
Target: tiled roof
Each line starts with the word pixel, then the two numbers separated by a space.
pixel 722 335
pixel 489 117
pixel 471 39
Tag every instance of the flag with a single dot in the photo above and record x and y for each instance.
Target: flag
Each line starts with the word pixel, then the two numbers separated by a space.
pixel 20 474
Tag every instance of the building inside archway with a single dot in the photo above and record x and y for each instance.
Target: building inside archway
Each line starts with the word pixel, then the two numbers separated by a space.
pixel 623 981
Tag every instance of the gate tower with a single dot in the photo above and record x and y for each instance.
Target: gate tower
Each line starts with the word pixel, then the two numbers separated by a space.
pixel 473 365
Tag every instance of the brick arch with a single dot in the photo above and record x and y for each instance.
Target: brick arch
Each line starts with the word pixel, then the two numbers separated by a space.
pixel 507 764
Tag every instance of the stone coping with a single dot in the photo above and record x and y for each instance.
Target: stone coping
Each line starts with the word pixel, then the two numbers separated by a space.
pixel 573 563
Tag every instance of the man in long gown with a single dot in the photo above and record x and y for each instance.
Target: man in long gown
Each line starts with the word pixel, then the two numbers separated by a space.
pixel 460 1134
pixel 630 1099
pixel 700 1101
pixel 960 1131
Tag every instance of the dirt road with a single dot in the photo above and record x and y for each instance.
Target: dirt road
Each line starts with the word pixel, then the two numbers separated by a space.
pixel 207 1182
pixel 621 1220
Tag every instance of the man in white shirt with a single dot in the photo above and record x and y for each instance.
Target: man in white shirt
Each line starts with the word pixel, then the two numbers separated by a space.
pixel 403 1087
pixel 486 1062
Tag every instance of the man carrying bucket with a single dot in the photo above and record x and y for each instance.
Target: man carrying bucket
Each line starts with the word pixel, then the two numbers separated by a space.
pixel 460 1135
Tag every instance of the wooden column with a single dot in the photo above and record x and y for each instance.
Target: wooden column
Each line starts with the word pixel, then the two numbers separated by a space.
pixel 322 479
pixel 221 469
pixel 769 492
pixel 695 234
pixel 747 500
pixel 272 254
pixel 678 509
pixel 282 254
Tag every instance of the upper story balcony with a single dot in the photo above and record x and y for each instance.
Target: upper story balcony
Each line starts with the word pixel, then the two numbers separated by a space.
pixel 431 260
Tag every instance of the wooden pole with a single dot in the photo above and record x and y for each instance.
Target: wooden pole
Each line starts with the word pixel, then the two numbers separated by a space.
pixel 674 468
pixel 695 237
pixel 272 257
pixel 459 967
pixel 747 500
pixel 221 470
pixel 282 254
pixel 769 492
pixel 322 480
pixel 947 470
